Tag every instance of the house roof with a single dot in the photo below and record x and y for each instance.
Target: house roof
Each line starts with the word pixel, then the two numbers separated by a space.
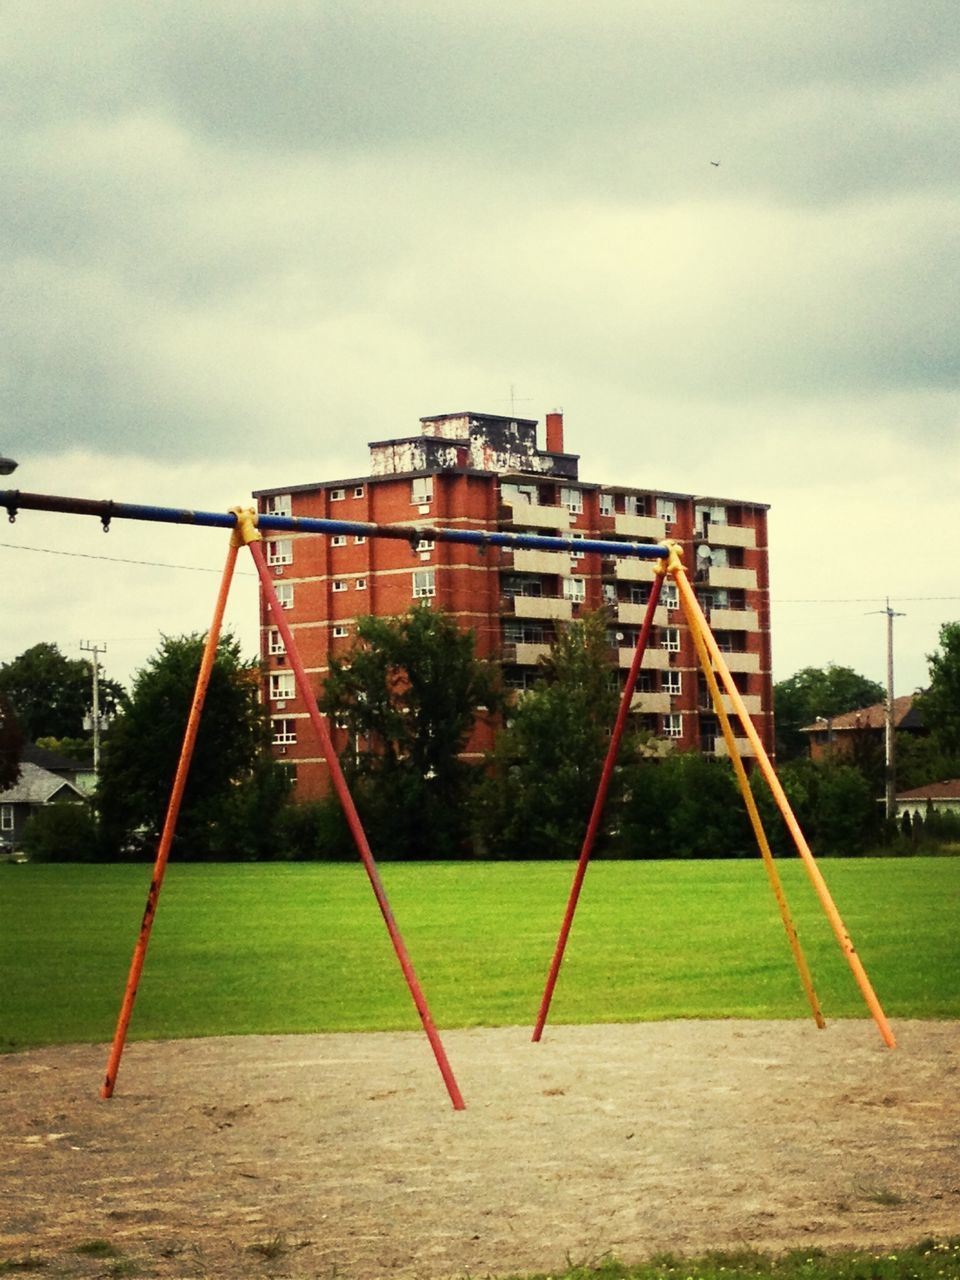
pixel 948 790
pixel 38 786
pixel 52 760
pixel 872 717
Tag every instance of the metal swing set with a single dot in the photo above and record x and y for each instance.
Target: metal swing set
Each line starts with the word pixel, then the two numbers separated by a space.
pixel 246 531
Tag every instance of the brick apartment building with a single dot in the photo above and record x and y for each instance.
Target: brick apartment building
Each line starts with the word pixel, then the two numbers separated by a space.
pixel 484 471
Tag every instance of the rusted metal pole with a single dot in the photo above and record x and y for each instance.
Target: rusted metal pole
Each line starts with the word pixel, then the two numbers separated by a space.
pixel 599 802
pixel 170 822
pixel 697 623
pixel 250 535
pixel 783 804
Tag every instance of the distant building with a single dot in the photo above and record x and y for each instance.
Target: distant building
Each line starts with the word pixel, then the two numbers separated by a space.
pixel 841 734
pixel 486 471
pixel 941 797
pixel 35 788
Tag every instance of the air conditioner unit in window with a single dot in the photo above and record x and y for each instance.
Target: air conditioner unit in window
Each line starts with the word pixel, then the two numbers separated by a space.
pixel 282 750
pixel 278 570
pixel 281 706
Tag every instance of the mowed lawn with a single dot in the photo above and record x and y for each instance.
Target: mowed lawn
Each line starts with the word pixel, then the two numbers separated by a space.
pixel 301 947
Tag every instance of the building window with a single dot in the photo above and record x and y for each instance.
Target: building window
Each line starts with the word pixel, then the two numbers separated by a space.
pixel 425 544
pixel 281 685
pixel 339 584
pixel 577 555
pixel 670 639
pixel 634 504
pixel 6 817
pixel 358 491
pixel 279 504
pixel 670 595
pixel 360 539
pixel 666 510
pixel 572 499
pixel 284 732
pixel 424 584
pixel 523 633
pixel 280 552
pixel 639 594
pixel 421 489
pixel 337 495
pixel 573 589
pixel 275 643
pixel 338 540
pixel 672 683
pixel 673 725
pixel 361 584
pixel 339 632
pixel 284 592
pixel 606 504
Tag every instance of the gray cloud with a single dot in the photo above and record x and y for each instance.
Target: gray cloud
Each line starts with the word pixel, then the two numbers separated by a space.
pixel 272 231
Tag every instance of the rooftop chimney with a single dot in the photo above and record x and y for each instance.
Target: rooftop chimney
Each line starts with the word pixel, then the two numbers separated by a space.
pixel 555 431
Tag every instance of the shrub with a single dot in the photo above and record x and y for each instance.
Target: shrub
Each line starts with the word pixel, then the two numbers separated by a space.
pixel 61 833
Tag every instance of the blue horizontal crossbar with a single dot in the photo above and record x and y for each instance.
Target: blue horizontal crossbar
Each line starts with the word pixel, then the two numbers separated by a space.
pixel 106 511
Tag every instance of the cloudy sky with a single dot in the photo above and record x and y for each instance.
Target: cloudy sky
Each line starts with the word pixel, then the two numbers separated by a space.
pixel 241 240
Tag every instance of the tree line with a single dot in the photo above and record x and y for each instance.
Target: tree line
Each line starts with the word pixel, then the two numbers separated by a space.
pixel 408 695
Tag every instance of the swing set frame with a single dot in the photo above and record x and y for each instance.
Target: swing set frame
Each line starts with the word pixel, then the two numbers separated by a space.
pixel 246 529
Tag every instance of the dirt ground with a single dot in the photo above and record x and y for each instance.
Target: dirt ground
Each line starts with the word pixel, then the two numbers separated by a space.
pixel 340 1155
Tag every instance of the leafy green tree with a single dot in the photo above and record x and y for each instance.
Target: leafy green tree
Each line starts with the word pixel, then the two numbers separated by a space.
pixel 51 694
pixel 832 801
pixel 409 693
pixel 685 806
pixel 11 744
pixel 538 795
pixel 64 832
pixel 143 750
pixel 817 691
pixel 940 703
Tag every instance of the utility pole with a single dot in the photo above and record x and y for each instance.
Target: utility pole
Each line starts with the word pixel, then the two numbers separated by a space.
pixel 87 646
pixel 890 773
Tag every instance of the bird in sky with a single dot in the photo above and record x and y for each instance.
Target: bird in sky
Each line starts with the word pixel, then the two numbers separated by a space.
pixel 715 163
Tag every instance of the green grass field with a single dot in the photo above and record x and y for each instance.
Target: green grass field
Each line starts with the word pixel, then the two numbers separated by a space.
pixel 298 947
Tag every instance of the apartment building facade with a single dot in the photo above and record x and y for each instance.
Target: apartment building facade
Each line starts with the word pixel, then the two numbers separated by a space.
pixel 483 472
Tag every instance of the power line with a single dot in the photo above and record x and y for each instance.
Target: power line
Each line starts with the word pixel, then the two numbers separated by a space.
pixel 152 564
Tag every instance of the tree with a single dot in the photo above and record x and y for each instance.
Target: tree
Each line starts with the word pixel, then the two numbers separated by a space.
pixel 143 750
pixel 832 802
pixel 11 744
pixel 817 691
pixel 940 704
pixel 685 806
pixel 51 694
pixel 409 693
pixel 546 764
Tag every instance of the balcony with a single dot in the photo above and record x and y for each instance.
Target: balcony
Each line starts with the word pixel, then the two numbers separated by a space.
pixel 736 579
pixel 532 515
pixel 743 745
pixel 653 659
pixel 634 614
pixel 730 535
pixel 751 701
pixel 524 654
pixel 651 703
pixel 734 620
pixel 748 662
pixel 640 527
pixel 525 561
pixel 538 607
pixel 634 570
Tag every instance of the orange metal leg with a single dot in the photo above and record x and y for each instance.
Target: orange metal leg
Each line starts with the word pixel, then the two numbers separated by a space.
pixel 170 823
